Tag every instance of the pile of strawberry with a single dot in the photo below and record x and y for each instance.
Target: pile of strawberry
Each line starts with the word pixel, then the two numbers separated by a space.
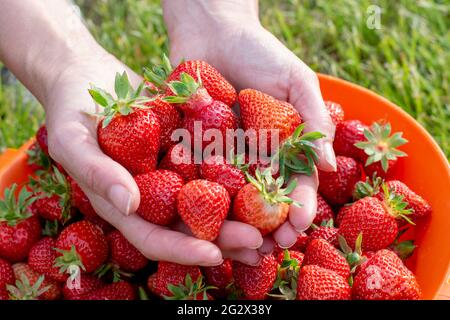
pixel 53 245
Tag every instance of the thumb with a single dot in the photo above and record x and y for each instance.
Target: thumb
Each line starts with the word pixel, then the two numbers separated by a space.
pixel 74 146
pixel 305 95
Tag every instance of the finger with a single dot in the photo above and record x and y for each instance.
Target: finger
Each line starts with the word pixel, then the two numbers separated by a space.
pixel 285 235
pixel 305 95
pixel 75 147
pixel 156 242
pixel 247 256
pixel 267 246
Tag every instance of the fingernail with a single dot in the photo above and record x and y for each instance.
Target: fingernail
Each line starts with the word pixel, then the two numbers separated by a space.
pixel 303 229
pixel 257 246
pixel 286 247
pixel 121 198
pixel 265 253
pixel 328 151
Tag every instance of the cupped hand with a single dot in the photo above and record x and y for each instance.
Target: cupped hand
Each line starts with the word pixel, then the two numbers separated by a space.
pixel 72 133
pixel 251 57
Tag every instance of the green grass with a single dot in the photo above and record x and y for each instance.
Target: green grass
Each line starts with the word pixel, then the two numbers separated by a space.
pixel 406 60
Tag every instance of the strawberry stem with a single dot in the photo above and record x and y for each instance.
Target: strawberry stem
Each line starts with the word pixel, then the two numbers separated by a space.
pixel 12 209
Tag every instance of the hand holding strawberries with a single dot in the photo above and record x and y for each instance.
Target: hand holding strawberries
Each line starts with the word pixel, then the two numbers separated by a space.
pixel 229 36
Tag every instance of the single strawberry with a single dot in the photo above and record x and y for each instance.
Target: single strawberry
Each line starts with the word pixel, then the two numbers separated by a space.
pixel 376 220
pixel 42 259
pixel 77 288
pixel 217 169
pixel 337 186
pixel 335 111
pixel 385 277
pixel 324 211
pixel 6 274
pixel 42 138
pixel 203 205
pixel 180 159
pixel 200 109
pixel 220 277
pixel 380 149
pixel 115 291
pixel 325 231
pixel 260 111
pixel 129 132
pixel 53 196
pixel 169 119
pixel 419 206
pixel 124 254
pixel 323 254
pixel 82 244
pixel 31 285
pixel 256 281
pixel 317 283
pixel 37 159
pixel 19 228
pixel 159 191
pixel 348 133
pixel 169 273
pixel 263 203
pixel 79 199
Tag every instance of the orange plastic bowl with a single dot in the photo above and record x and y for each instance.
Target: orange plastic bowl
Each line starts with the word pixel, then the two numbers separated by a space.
pixel 425 170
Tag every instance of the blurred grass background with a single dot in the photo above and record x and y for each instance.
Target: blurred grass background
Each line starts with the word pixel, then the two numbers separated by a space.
pixel 407 60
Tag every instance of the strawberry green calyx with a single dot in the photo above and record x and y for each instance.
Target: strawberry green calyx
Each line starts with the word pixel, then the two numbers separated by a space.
pixel 114 269
pixel 188 89
pixel 189 290
pixel 396 206
pixel 127 100
pixel 142 294
pixel 157 75
pixel 68 258
pixel 287 277
pixel 50 229
pixel 50 183
pixel 239 161
pixel 38 157
pixel 368 188
pixel 23 290
pixel 272 189
pixel 353 257
pixel 297 153
pixel 404 249
pixel 13 210
pixel 380 145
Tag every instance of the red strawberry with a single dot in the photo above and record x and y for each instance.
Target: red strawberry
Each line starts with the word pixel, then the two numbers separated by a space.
pixel 256 282
pixel 216 169
pixel 289 262
pixel 220 276
pixel 385 277
pixel 376 221
pixel 4 294
pixel 129 133
pixel 216 85
pixel 335 111
pixel 324 211
pixel 30 285
pixel 74 290
pixel 159 191
pixel 80 200
pixel 19 228
pixel 261 111
pixel 6 274
pixel 326 232
pixel 263 203
pixel 42 259
pixel 115 291
pixel 317 283
pixel 124 254
pixel 81 243
pixel 171 274
pixel 203 205
pixel 420 207
pixel 42 138
pixel 180 159
pixel 379 148
pixel 337 187
pixel 321 253
pixel 293 254
pixel 348 133
pixel 341 214
pixel 99 222
pixel 169 120
pixel 201 110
